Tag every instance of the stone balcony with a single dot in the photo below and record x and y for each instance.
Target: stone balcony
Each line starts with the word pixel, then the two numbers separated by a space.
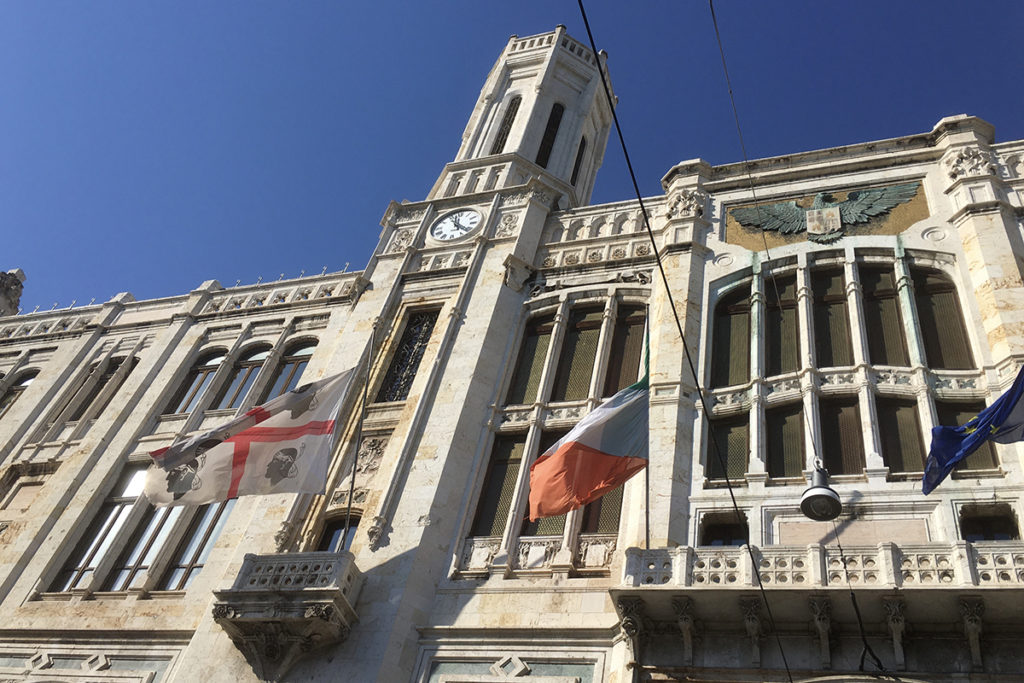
pixel 953 589
pixel 284 606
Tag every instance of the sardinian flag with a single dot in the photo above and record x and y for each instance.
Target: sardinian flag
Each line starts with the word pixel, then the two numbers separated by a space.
pixel 283 446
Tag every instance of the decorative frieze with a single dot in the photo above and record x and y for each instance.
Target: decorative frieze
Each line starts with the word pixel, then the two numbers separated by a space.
pixel 537 553
pixel 478 552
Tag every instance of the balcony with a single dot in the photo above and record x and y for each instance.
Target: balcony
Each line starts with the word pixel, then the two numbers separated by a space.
pixel 281 607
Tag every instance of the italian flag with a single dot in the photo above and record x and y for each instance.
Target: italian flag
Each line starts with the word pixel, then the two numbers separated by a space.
pixel 605 449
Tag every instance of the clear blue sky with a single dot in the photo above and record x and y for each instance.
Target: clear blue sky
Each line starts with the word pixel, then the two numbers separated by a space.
pixel 148 146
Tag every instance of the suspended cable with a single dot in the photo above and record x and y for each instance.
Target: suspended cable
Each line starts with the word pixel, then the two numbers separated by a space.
pixel 866 650
pixel 686 349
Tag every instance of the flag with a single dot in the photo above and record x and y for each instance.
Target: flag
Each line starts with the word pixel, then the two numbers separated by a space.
pixel 1002 422
pixel 601 452
pixel 283 446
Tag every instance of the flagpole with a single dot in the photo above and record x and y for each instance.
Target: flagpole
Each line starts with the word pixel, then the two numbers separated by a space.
pixel 647 470
pixel 359 436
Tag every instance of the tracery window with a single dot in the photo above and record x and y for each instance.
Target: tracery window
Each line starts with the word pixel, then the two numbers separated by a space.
pixel 506 125
pixel 407 356
pixel 99 388
pixel 196 384
pixel 547 142
pixel 854 392
pixel 243 374
pixel 598 352
pixel 289 371
pixel 16 388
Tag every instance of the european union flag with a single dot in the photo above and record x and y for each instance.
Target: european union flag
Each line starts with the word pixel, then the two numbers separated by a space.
pixel 1002 422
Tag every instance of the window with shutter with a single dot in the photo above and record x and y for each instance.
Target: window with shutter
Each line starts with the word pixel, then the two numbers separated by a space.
pixel 730 344
pixel 547 526
pixel 579 350
pixel 887 338
pixel 942 323
pixel 530 364
pixel 782 344
pixel 900 433
pixel 954 414
pixel 785 440
pixel 842 445
pixel 732 434
pixel 627 349
pixel 499 485
pixel 831 321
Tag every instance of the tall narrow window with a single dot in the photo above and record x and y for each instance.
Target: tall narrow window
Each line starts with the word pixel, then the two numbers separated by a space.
pixel 407 357
pixel 336 537
pixel 602 516
pixel 506 125
pixel 289 372
pixel 499 486
pixel 196 384
pixel 942 323
pixel 627 348
pixel 900 432
pixel 782 345
pixel 831 322
pixel 730 347
pixel 954 414
pixel 243 375
pixel 580 151
pixel 785 440
pixel 137 557
pixel 16 389
pixel 195 547
pixel 91 399
pixel 98 539
pixel 579 349
pixel 547 526
pixel 887 338
pixel 547 142
pixel 530 364
pixel 842 445
pixel 732 434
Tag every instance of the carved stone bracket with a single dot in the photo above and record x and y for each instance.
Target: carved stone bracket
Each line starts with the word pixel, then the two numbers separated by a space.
pixel 894 617
pixel 375 532
pixel 517 272
pixel 281 607
pixel 969 161
pixel 821 622
pixel 683 608
pixel 972 610
pixel 686 204
pixel 631 612
pixel 750 608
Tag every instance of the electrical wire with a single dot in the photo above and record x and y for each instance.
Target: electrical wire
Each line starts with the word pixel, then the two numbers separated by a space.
pixel 856 609
pixel 686 348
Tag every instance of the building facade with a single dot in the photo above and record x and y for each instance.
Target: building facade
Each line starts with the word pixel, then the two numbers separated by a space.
pixel 835 306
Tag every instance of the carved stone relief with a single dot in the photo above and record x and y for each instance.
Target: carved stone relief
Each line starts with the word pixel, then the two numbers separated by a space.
pixel 371 451
pixel 686 204
pixel 507 226
pixel 969 161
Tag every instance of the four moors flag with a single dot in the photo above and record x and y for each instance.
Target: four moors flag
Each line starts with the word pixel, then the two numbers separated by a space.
pixel 283 446
pixel 601 452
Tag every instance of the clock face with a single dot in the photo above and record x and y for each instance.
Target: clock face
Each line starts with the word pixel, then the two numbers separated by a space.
pixel 455 225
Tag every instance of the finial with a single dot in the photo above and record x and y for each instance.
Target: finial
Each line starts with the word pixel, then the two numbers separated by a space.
pixel 322 272
pixel 54 306
pixel 302 272
pixel 345 269
pixel 280 277
pixel 259 279
pixel 238 282
pixel 73 302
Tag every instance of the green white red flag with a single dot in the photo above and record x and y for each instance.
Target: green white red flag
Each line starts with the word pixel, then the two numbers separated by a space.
pixel 283 446
pixel 600 453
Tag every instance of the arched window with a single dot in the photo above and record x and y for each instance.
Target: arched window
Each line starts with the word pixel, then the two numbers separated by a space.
pixel 942 324
pixel 91 399
pixel 196 384
pixel 506 125
pixel 730 348
pixel 580 151
pixel 887 340
pixel 288 373
pixel 831 321
pixel 16 389
pixel 547 143
pixel 242 376
pixel 782 344
pixel 579 350
pixel 335 536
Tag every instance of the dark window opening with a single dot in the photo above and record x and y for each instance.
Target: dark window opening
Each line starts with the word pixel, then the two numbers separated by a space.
pixel 580 151
pixel 547 143
pixel 726 528
pixel 841 435
pixel 887 337
pixel 336 537
pixel 993 522
pixel 547 526
pixel 732 434
pixel 627 348
pixel 506 125
pixel 730 348
pixel 499 486
pixel 831 322
pixel 785 440
pixel 782 345
pixel 89 399
pixel 900 432
pixel 16 389
pixel 579 350
pixel 196 384
pixel 530 364
pixel 406 361
pixel 954 414
pixel 942 323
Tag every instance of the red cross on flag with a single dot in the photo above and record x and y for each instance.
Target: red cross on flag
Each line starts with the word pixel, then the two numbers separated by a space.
pixel 283 446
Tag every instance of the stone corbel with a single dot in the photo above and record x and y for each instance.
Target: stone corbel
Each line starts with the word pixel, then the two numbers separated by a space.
pixel 631 611
pixel 971 611
pixel 375 532
pixel 683 608
pixel 517 272
pixel 894 617
pixel 751 610
pixel 821 623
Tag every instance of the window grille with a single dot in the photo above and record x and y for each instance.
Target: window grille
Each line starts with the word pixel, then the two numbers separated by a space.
pixel 954 414
pixel 900 431
pixel 887 337
pixel 579 350
pixel 942 323
pixel 782 343
pixel 831 321
pixel 499 485
pixel 733 437
pixel 785 440
pixel 530 364
pixel 730 351
pixel 841 440
pixel 407 357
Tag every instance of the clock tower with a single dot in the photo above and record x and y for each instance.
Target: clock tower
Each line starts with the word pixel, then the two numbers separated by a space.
pixel 542 113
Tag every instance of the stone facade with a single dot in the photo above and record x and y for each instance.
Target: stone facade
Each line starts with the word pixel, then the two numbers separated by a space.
pixel 442 581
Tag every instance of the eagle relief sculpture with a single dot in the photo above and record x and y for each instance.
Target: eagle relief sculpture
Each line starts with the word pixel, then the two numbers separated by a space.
pixel 825 219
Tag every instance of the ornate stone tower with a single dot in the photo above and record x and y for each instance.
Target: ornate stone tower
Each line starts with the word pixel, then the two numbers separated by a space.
pixel 541 114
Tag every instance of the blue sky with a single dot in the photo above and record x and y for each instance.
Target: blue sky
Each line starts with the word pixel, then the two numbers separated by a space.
pixel 149 146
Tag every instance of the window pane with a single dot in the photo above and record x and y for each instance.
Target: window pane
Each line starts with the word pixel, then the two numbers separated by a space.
pixel 730 345
pixel 732 434
pixel 942 323
pixel 954 414
pixel 530 364
pixel 195 547
pixel 782 343
pixel 499 486
pixel 627 349
pixel 785 440
pixel 289 371
pixel 887 337
pixel 407 357
pixel 841 435
pixel 900 433
pixel 331 538
pixel 831 323
pixel 579 349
